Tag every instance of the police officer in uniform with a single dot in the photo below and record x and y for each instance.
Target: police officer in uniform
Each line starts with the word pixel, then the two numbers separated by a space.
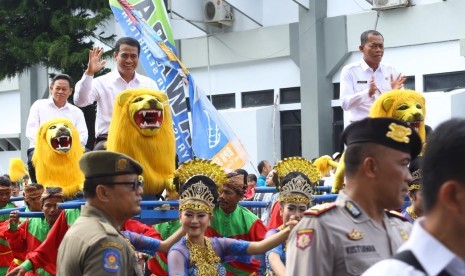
pixel 94 245
pixel 348 236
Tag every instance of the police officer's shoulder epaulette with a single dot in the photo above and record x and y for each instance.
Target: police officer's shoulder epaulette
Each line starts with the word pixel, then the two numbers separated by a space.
pixel 395 214
pixel 320 209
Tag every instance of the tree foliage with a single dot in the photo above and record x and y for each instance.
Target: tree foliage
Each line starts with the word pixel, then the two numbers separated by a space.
pixel 55 33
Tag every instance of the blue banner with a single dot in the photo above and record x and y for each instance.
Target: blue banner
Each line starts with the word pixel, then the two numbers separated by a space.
pixel 211 135
pixel 160 64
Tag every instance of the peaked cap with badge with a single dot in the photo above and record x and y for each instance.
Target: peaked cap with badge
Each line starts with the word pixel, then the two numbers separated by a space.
pixel 389 132
pixel 101 163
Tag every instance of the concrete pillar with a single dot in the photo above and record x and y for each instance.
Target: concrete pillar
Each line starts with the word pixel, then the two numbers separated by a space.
pixel 316 86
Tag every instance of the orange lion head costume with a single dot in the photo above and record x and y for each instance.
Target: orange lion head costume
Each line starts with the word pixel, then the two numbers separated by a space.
pixel 142 128
pixel 405 105
pixel 56 156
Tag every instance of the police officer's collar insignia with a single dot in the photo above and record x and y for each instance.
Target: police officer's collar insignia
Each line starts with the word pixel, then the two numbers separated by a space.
pixel 121 164
pixel 353 209
pixel 399 133
pixel 355 235
pixel 304 238
pixel 320 209
pixel 392 213
pixel 111 260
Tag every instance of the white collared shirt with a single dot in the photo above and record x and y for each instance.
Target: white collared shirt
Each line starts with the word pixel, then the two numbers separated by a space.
pixel 45 110
pixel 430 253
pixel 104 90
pixel 355 83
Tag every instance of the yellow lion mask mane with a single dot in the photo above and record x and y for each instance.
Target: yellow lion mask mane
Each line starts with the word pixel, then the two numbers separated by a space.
pixel 17 169
pixel 151 143
pixel 58 169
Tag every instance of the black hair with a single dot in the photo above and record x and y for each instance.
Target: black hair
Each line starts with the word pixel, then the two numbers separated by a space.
pixel 443 159
pixel 90 185
pixel 428 131
pixel 89 189
pixel 261 166
pixel 244 173
pixel 127 41
pixel 5 181
pixel 355 154
pixel 62 77
pixel 365 34
pixel 275 178
pixel 205 180
pixel 252 177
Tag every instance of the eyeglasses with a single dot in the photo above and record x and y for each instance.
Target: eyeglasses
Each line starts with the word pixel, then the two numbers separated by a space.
pixel 138 183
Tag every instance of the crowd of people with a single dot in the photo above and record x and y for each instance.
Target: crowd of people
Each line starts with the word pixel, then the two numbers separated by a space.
pixel 366 230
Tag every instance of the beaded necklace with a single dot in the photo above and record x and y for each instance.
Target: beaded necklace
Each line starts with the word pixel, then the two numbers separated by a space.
pixel 204 257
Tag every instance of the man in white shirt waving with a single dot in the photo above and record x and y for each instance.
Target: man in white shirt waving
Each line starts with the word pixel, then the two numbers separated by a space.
pixel 104 89
pixel 363 81
pixel 56 107
pixel 437 242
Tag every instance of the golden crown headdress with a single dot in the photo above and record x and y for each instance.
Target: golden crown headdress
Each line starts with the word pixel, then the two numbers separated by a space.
pixel 297 185
pixel 416 175
pixel 198 195
pixel 415 183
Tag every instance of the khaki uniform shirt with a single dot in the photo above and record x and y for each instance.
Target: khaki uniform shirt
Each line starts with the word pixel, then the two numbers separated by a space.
pixel 342 239
pixel 94 246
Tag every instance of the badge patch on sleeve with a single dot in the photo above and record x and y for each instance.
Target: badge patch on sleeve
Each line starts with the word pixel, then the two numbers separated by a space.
pixel 111 260
pixel 305 238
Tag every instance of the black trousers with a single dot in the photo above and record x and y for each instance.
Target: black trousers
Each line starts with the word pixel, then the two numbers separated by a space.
pixel 30 166
pixel 100 142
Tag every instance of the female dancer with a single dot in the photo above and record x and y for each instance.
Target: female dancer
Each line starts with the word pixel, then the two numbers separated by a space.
pixel 297 177
pixel 196 254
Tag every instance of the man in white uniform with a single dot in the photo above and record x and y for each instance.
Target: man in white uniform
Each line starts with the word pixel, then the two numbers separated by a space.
pixel 104 89
pixel 56 107
pixel 363 81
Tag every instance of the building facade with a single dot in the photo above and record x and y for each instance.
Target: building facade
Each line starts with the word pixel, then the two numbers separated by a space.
pixel 273 72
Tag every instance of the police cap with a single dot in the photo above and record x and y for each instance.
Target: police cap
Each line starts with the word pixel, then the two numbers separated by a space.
pixel 389 132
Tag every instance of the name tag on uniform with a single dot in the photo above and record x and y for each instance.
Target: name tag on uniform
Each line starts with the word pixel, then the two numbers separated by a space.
pixel 360 249
pixel 362 81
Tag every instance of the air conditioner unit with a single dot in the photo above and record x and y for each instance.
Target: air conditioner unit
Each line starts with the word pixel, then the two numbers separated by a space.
pixel 217 11
pixel 380 5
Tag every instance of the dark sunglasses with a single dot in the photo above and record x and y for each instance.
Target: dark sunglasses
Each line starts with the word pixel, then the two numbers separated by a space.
pixel 138 183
